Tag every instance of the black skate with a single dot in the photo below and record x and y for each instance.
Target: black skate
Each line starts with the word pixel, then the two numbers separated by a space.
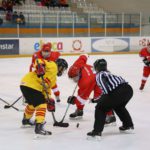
pixel 27 123
pixel 141 87
pixel 77 114
pixel 94 135
pixel 110 120
pixel 124 129
pixel 57 99
pixel 39 130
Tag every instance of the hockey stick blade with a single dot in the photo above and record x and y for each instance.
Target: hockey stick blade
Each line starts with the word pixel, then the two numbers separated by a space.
pixel 7 106
pixel 61 124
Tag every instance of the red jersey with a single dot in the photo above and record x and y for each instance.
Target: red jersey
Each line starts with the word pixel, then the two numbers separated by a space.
pixel 87 81
pixel 53 57
pixel 144 53
pixel 87 84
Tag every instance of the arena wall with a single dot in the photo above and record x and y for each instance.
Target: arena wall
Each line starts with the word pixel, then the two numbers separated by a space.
pixel 73 46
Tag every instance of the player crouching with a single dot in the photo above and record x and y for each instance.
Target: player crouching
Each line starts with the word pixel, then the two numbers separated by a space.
pixel 33 89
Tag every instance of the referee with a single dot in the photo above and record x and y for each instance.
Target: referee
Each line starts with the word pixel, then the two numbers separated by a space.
pixel 116 94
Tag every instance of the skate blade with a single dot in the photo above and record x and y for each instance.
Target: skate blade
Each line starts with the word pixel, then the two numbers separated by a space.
pixel 40 136
pixel 111 124
pixel 94 138
pixel 76 118
pixel 130 131
pixel 27 126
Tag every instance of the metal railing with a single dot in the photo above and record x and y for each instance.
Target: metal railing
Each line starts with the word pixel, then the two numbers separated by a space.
pixel 70 24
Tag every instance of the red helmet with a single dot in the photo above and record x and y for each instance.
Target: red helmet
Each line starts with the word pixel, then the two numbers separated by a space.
pixel 46 47
pixel 73 71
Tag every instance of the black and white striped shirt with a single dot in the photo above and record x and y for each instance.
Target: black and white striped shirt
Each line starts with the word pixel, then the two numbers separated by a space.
pixel 108 82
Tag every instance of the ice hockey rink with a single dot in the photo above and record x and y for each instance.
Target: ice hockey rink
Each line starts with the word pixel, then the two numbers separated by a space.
pixel 13 137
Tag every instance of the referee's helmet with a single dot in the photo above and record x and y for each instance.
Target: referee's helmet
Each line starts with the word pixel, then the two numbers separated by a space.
pixel 100 65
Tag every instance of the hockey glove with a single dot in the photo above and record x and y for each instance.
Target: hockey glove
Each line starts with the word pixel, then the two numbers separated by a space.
pixel 93 100
pixel 146 62
pixel 71 100
pixel 51 105
pixel 40 70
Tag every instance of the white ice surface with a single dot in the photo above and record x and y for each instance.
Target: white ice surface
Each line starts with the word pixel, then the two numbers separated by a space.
pixel 13 137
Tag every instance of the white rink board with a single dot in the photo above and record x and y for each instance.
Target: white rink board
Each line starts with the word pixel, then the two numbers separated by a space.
pixel 136 43
pixel 78 44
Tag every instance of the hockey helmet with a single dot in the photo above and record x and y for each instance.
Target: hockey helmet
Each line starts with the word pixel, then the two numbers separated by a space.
pixel 46 50
pixel 62 66
pixel 100 65
pixel 74 71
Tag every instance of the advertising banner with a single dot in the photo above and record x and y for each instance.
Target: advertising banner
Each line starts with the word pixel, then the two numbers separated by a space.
pixel 66 45
pixel 9 46
pixel 137 43
pixel 110 44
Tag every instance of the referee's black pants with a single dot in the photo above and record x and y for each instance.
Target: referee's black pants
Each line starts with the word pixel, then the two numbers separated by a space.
pixel 117 101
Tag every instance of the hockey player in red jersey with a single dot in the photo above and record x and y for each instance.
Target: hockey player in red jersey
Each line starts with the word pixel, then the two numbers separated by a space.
pixel 82 73
pixel 47 54
pixel 145 55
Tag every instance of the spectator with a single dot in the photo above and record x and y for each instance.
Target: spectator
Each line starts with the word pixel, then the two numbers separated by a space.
pixel 1 21
pixel 19 2
pixel 48 3
pixel 9 16
pixel 54 3
pixel 63 3
pixel 14 17
pixel 21 19
pixel 9 5
pixel 4 5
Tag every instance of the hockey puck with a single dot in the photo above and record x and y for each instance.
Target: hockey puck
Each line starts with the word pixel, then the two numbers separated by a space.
pixel 77 125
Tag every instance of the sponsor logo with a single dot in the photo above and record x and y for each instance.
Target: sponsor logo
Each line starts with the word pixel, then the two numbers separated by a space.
pixel 56 46
pixel 77 46
pixel 6 46
pixel 110 44
pixel 144 42
pixel 9 47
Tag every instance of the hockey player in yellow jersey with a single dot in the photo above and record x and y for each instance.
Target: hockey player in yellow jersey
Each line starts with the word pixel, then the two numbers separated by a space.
pixel 33 90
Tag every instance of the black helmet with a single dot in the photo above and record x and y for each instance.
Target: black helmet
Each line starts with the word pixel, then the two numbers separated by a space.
pixel 100 65
pixel 62 66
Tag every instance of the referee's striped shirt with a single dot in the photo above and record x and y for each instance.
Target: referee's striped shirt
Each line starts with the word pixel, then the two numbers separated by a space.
pixel 108 82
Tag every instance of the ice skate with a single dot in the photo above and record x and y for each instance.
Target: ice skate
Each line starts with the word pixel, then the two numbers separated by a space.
pixel 26 123
pixel 77 114
pixel 141 87
pixel 40 131
pixel 110 120
pixel 94 135
pixel 58 99
pixel 124 129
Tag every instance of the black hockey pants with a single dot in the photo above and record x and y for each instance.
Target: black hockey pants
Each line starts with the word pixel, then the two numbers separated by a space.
pixel 117 101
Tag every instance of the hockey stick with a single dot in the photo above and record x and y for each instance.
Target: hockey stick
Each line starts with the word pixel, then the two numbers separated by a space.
pixel 59 124
pixel 69 104
pixel 9 106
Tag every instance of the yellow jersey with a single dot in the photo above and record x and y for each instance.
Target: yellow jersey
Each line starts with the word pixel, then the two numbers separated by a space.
pixel 33 81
